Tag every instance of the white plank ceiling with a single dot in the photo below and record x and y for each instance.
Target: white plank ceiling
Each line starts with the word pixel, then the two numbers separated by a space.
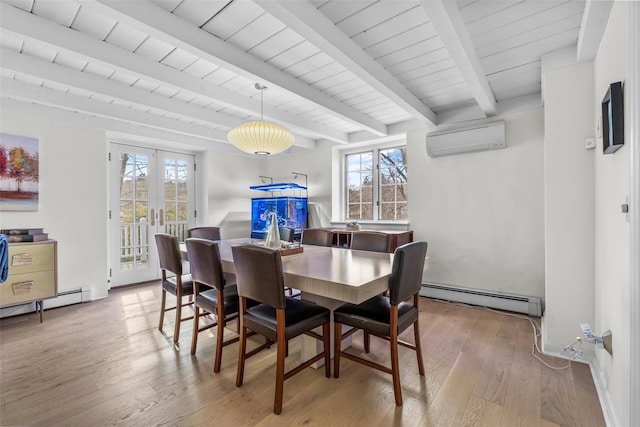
pixel 338 71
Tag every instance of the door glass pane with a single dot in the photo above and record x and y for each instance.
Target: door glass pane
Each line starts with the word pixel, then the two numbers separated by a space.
pixel 133 211
pixel 175 197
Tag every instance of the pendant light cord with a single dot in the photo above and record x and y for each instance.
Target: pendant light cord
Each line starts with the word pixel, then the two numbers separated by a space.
pixel 261 89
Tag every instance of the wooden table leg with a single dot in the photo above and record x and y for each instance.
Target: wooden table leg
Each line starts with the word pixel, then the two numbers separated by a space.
pixel 312 346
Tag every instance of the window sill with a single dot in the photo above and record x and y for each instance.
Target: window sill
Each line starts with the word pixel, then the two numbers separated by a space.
pixel 376 225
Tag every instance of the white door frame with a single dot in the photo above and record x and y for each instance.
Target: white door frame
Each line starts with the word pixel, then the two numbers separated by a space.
pixel 159 219
pixel 634 209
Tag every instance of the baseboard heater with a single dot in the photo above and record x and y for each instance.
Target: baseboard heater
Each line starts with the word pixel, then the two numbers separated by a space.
pixel 531 306
pixel 66 297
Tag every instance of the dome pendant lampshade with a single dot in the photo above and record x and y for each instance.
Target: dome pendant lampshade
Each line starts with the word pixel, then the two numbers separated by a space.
pixel 260 137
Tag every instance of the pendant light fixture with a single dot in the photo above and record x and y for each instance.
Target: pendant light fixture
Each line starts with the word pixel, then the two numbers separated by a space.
pixel 260 137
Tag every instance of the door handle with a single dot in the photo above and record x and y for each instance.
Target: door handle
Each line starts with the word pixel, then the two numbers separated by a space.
pixel 161 217
pixel 153 216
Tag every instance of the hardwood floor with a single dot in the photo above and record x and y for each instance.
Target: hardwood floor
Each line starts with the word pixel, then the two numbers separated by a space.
pixel 105 363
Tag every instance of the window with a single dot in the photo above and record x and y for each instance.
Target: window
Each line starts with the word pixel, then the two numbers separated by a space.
pixel 360 185
pixel 393 184
pixel 376 184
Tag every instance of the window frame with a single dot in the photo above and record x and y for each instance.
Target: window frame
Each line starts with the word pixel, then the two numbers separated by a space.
pixel 340 202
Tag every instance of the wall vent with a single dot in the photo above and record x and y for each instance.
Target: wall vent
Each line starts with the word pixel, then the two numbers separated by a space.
pixel 531 306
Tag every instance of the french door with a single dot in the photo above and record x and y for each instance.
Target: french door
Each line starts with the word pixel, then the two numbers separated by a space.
pixel 152 191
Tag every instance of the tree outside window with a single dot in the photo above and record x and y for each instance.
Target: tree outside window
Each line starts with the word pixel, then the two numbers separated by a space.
pixel 387 189
pixel 360 185
pixel 393 184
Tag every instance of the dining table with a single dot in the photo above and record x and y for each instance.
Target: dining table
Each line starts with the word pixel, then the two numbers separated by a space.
pixel 328 276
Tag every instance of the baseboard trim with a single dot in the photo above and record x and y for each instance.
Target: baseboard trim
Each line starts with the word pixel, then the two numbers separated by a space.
pixel 66 297
pixel 588 357
pixel 603 395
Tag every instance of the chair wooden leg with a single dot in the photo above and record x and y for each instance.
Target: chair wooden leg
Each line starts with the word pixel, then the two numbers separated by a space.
pixel 416 335
pixel 196 326
pixel 220 333
pixel 176 328
pixel 326 346
pixel 337 341
pixel 395 370
pixel 367 341
pixel 393 344
pixel 163 303
pixel 242 348
pixel 281 345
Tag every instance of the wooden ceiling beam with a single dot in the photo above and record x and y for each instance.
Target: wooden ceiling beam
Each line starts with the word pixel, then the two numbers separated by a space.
pixel 151 18
pixel 46 112
pixel 594 21
pixel 447 20
pixel 303 18
pixel 31 27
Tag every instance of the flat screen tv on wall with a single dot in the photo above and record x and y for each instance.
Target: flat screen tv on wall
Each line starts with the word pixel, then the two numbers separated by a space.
pixel 612 119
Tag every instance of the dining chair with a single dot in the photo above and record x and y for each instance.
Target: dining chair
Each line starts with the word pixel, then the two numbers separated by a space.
pixel 278 318
pixel 316 236
pixel 212 293
pixel 374 241
pixel 210 233
pixel 387 316
pixel 173 280
pixel 287 234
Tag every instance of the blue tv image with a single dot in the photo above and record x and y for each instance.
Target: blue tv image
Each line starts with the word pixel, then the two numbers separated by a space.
pixel 291 211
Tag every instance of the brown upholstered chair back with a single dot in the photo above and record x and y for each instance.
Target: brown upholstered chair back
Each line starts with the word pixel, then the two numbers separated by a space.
pixel 406 272
pixel 259 274
pixel 204 262
pixel 317 236
pixel 169 253
pixel 209 233
pixel 370 241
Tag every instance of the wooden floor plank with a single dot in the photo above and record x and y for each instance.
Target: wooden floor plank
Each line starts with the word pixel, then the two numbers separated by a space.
pixel 105 362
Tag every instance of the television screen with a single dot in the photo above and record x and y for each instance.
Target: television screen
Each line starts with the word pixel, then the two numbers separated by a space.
pixel 612 119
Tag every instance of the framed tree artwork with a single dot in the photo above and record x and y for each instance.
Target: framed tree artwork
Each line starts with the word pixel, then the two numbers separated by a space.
pixel 19 173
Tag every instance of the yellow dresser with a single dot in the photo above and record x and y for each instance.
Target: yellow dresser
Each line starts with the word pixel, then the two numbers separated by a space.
pixel 33 275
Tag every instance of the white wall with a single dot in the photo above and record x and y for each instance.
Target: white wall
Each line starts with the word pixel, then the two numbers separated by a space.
pixel 612 229
pixel 228 174
pixel 569 201
pixel 318 167
pixel 73 199
pixel 482 213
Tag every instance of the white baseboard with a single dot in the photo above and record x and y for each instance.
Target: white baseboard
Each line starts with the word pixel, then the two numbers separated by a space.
pixel 588 357
pixel 67 297
pixel 603 395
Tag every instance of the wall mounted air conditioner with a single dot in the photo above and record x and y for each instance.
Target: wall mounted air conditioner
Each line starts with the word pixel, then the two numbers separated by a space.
pixel 488 136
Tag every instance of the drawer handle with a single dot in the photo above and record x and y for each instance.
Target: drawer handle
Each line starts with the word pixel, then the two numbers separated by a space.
pixel 22 259
pixel 22 287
